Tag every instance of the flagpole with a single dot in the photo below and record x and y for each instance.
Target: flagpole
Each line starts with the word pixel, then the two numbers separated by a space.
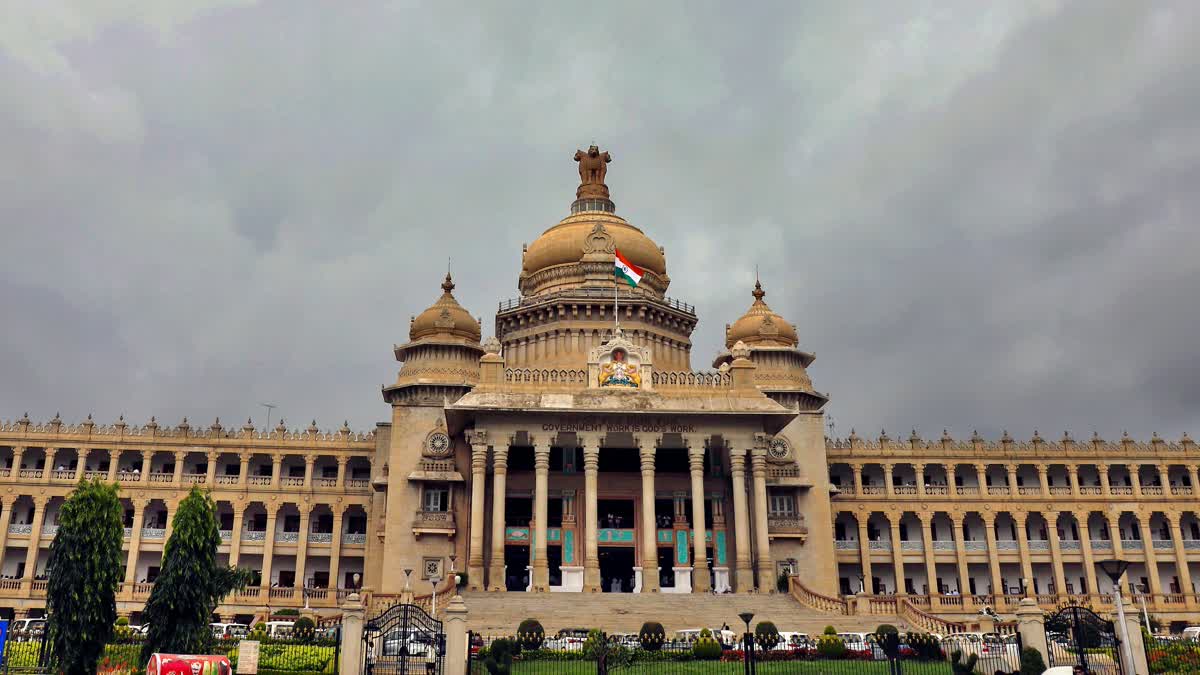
pixel 616 308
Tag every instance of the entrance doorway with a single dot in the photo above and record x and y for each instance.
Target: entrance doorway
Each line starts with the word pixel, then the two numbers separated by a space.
pixel 516 560
pixel 666 565
pixel 616 569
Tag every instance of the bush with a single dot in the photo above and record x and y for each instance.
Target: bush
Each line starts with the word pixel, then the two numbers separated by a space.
pixel 831 646
pixel 1031 662
pixel 926 647
pixel 122 621
pixel 888 639
pixel 766 634
pixel 706 647
pixel 958 666
pixel 304 630
pixel 259 632
pixel 829 630
pixel 530 634
pixel 288 612
pixel 499 657
pixel 652 636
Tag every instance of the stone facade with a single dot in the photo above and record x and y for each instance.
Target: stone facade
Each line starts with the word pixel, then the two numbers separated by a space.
pixel 577 451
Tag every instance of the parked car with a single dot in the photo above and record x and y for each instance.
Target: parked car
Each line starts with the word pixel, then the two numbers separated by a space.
pixel 227 631
pixel 27 626
pixel 280 629
pixel 1192 633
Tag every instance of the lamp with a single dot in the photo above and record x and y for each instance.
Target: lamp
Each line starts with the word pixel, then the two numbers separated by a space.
pixel 862 583
pixel 1115 569
pixel 748 638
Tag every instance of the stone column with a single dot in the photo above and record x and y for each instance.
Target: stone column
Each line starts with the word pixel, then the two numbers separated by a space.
pixel 960 550
pixel 1023 548
pixel 235 537
pixel 18 456
pixel 147 455
pixel 1060 576
pixel 6 520
pixel 135 539
pixel 1114 531
pixel 989 527
pixel 541 511
pixel 1105 486
pixel 743 573
pixel 1151 556
pixel 496 581
pixel 1012 479
pixel 309 462
pixel 353 614
pixel 456 635
pixel 177 479
pixel 1085 545
pixel 1136 645
pixel 1044 478
pixel 591 546
pixel 335 555
pixel 1135 477
pixel 1073 476
pixel 479 449
pixel 701 579
pixel 244 475
pixel 981 478
pixel 864 552
pixel 919 470
pixel 1193 478
pixel 114 459
pixel 1181 565
pixel 858 484
pixel 341 471
pixel 210 473
pixel 35 536
pixel 1031 625
pixel 926 519
pixel 766 568
pixel 646 446
pixel 276 469
pixel 897 553
pixel 81 467
pixel 48 471
pixel 269 544
pixel 302 544
pixel 888 487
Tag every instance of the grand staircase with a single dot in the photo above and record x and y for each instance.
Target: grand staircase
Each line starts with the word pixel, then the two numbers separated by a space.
pixel 500 613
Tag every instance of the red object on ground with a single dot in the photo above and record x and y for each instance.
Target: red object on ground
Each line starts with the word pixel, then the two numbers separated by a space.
pixel 188 664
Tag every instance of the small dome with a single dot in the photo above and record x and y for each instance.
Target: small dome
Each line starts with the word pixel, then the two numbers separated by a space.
pixel 564 244
pixel 761 326
pixel 445 318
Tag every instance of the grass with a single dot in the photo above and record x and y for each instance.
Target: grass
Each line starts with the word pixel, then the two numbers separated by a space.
pixel 845 667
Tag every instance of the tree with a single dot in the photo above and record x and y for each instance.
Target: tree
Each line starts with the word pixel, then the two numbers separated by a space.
pixel 191 584
pixel 84 571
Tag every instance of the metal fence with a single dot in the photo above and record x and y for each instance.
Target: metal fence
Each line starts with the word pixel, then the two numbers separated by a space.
pixel 1172 656
pixel 603 654
pixel 28 653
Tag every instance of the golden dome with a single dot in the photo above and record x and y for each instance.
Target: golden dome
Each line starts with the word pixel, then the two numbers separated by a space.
pixel 567 242
pixel 761 326
pixel 445 318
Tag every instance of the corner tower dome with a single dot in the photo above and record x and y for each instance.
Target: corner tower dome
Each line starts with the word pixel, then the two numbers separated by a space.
pixel 445 319
pixel 760 326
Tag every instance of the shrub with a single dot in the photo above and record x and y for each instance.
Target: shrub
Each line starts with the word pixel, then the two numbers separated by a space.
pixel 706 647
pixel 958 666
pixel 530 634
pixel 122 621
pixel 288 612
pixel 888 639
pixel 766 634
pixel 1031 662
pixel 304 630
pixel 652 636
pixel 925 646
pixel 259 632
pixel 829 630
pixel 499 658
pixel 830 646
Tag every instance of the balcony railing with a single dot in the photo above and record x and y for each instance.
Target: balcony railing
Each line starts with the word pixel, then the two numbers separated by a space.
pixel 1026 490
pixel 1152 490
pixel 1070 545
pixel 358 482
pixel 1163 545
pixel 782 524
pixel 63 474
pixel 1007 545
pixel 944 546
pixel 25 528
pixel 153 532
pixel 912 546
pixel 846 545
pixel 29 473
pixel 226 535
pixel 1131 544
pixel 287 537
pixel 1039 545
pixel 320 537
pixel 1091 490
pixel 967 490
pixel 936 490
pixel 1060 490
pixel 1181 490
pixel 325 482
pixel 354 538
pixel 1101 544
pixel 195 478
pixel 254 535
pixel 95 475
pixel 999 490
pixel 227 479
pixel 872 490
pixel 162 478
pixel 258 480
pixel 975 546
pixel 293 481
pixel 433 520
pixel 1120 491
pixel 901 490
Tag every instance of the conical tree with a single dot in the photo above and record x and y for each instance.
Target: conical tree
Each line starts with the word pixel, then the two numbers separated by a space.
pixel 191 583
pixel 84 571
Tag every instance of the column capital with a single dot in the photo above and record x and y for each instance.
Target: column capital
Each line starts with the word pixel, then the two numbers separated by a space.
pixel 695 442
pixel 180 455
pixel 696 460
pixel 147 454
pixel 1043 469
pixel 644 441
pixel 500 459
pixel 988 518
pixel 477 437
pixel 589 441
pixel 919 467
pixel 887 467
pixel 856 466
pixel 479 457
pixel 277 457
pixel 980 466
pixel 140 503
pixel 758 462
pixel 647 456
pixel 245 456
pixel 1011 468
pixel 211 454
pixel 310 459
pixel 1020 517
pixel 343 460
pixel 737 463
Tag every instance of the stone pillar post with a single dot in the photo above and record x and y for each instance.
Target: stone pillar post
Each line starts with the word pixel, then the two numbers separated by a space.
pixel 48 470
pixel 341 471
pixel 5 521
pixel 1143 521
pixel 18 457
pixel 1044 478
pixel 1193 478
pixel 147 455
pixel 456 635
pixel 762 537
pixel 1031 626
pixel 353 614
pixel 960 550
pixel 981 478
pixel 309 461
pixel 919 470
pixel 864 553
pixel 302 544
pixel 235 537
pixel 35 537
pixel 81 467
pixel 952 480
pixel 701 579
pixel 479 449
pixel 210 472
pixel 1060 577
pixel 269 544
pixel 926 518
pixel 743 573
pixel 496 581
pixel 1136 645
pixel 989 527
pixel 888 486
pixel 1181 564
pixel 1135 477
pixel 244 471
pixel 646 446
pixel 1114 531
pixel 114 459
pixel 1105 486
pixel 177 479
pixel 897 553
pixel 335 555
pixel 1012 479
pixel 1073 475
pixel 276 469
pixel 541 511
pixel 858 484
pixel 135 539
pixel 1085 545
pixel 1023 548
pixel 591 515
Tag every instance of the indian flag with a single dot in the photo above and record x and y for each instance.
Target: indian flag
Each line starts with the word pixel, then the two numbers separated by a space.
pixel 627 271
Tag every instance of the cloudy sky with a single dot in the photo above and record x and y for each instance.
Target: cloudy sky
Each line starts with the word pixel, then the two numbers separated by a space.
pixel 979 215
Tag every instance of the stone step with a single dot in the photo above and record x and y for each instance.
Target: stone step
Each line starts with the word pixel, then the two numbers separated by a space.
pixel 501 613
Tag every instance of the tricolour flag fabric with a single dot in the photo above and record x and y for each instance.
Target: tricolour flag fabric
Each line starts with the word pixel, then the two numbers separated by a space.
pixel 627 271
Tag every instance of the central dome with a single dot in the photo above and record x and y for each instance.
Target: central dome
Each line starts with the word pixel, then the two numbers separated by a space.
pixel 568 242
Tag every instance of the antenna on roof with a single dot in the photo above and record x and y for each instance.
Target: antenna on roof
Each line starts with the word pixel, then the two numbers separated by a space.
pixel 269 407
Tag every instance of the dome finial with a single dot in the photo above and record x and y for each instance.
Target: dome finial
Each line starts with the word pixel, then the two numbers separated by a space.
pixel 593 166
pixel 758 293
pixel 448 284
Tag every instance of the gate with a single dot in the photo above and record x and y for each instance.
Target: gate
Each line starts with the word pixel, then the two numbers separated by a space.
pixel 1077 636
pixel 403 640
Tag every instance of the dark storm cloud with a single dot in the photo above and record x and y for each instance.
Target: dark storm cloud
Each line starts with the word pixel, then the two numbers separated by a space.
pixel 978 217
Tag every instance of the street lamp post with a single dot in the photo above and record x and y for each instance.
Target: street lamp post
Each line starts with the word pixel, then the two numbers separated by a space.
pixel 1143 589
pixel 748 643
pixel 1115 569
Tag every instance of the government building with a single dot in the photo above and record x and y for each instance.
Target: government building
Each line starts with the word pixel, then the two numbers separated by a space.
pixel 577 450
